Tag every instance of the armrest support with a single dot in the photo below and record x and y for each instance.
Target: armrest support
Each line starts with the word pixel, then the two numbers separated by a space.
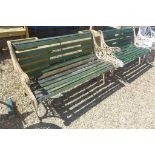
pixel 104 52
pixel 24 76
pixel 109 50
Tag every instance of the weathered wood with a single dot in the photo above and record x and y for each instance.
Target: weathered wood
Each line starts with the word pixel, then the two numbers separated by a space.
pixel 75 76
pixel 49 41
pixel 72 84
pixel 24 77
pixel 13 31
pixel 57 64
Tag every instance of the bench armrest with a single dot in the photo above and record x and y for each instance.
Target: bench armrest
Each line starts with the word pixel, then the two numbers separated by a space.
pixel 24 76
pixel 104 52
pixel 109 50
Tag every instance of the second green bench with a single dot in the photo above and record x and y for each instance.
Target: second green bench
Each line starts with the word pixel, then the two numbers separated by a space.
pixel 123 39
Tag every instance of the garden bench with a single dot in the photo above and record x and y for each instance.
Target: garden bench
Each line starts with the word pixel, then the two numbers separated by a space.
pixel 118 47
pixel 51 66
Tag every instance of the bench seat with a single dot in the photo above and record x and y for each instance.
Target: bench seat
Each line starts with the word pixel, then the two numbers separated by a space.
pixel 50 86
pixel 130 53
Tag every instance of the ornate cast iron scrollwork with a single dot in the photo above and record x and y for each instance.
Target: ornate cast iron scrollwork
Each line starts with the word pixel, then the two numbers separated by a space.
pixel 104 52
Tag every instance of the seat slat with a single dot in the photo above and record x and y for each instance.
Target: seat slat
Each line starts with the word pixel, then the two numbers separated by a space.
pixel 39 72
pixel 84 56
pixel 86 69
pixel 134 53
pixel 74 76
pixel 83 65
pixel 73 83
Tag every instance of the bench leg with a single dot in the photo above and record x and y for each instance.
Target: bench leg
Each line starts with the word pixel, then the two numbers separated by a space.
pixel 149 58
pixel 143 59
pixel 139 60
pixel 103 76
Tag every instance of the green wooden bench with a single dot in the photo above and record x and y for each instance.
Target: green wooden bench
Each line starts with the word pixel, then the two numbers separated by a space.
pixel 51 66
pixel 123 39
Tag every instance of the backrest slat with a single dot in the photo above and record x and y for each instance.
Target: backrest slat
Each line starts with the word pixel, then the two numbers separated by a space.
pixel 119 37
pixel 49 41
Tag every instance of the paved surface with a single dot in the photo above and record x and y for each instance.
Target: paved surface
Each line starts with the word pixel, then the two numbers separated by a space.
pixel 91 105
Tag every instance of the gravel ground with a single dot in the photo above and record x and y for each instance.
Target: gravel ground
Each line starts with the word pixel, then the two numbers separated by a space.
pixel 91 105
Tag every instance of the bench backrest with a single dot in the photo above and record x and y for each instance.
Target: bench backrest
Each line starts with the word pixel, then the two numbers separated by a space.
pixel 119 37
pixel 43 55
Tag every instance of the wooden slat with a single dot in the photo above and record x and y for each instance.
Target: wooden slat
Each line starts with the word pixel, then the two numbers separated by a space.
pixel 36 51
pixel 133 54
pixel 12 32
pixel 36 66
pixel 68 57
pixel 116 34
pixel 120 42
pixel 63 66
pixel 75 37
pixel 31 60
pixel 46 49
pixel 127 50
pixel 68 62
pixel 82 65
pixel 73 83
pixel 52 81
pixel 48 41
pixel 72 76
pixel 75 77
pixel 22 40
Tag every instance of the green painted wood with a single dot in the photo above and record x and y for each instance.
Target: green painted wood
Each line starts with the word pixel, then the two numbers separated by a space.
pixel 56 55
pixel 52 48
pixel 129 51
pixel 125 53
pixel 71 79
pixel 39 72
pixel 116 34
pixel 125 41
pixel 74 77
pixel 51 40
pixel 86 63
pixel 36 66
pixel 34 59
pixel 32 52
pixel 130 56
pixel 60 80
pixel 52 54
pixel 22 40
pixel 82 57
pixel 74 83
pixel 68 57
